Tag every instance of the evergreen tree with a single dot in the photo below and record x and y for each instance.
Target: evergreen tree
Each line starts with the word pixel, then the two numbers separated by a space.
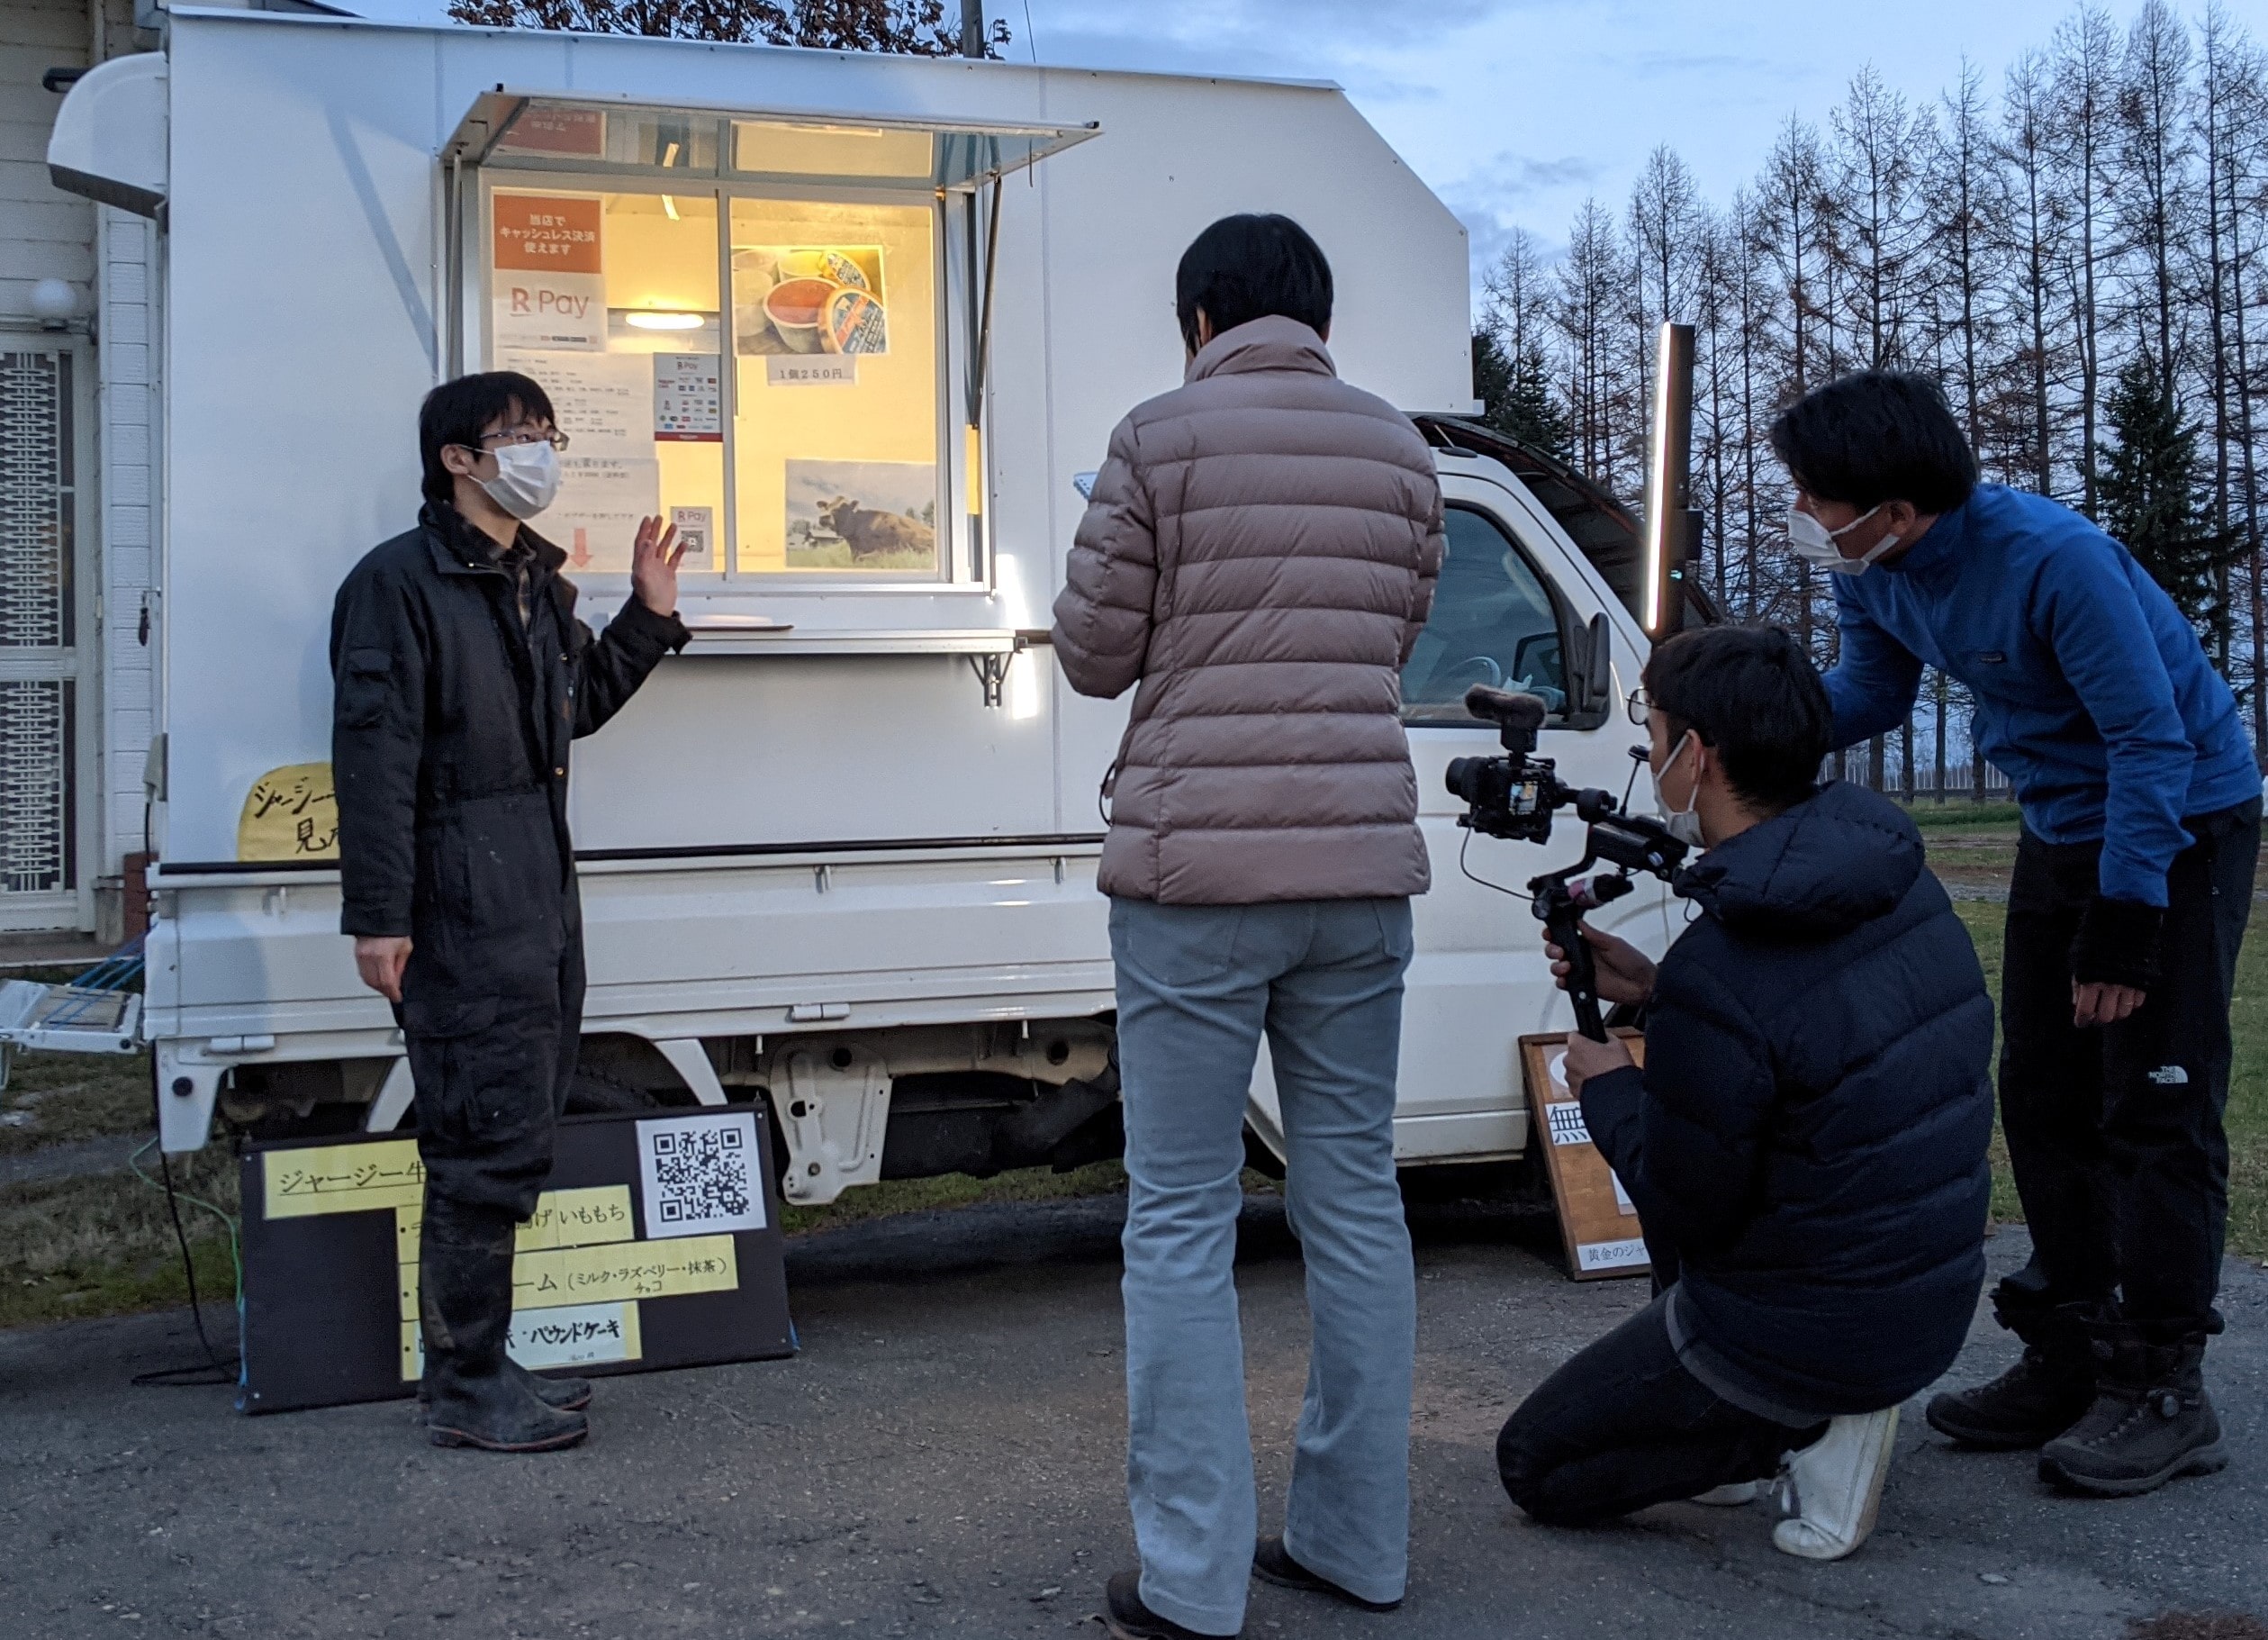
pixel 1517 395
pixel 2146 494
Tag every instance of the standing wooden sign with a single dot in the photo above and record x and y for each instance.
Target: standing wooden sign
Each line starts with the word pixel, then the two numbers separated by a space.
pixel 1597 1220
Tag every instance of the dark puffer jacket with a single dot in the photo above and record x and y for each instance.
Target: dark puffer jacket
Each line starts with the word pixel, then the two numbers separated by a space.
pixel 1808 1133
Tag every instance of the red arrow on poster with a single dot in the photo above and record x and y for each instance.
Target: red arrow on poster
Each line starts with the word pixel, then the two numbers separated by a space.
pixel 582 553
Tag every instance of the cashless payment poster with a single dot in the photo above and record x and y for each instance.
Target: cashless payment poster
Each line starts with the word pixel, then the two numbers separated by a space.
pixel 656 1245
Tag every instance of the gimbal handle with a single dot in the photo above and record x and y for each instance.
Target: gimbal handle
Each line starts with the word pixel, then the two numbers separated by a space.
pixel 1560 907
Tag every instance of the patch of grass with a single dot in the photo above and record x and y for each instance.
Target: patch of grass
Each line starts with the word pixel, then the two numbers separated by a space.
pixel 52 1099
pixel 1960 814
pixel 105 1245
pixel 2247 1118
pixel 1985 925
pixel 71 1248
pixel 897 1196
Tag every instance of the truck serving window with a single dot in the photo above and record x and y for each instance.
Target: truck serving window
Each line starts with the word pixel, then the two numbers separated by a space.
pixel 771 331
pixel 1493 622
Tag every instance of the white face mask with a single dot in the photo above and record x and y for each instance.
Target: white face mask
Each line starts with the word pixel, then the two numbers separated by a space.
pixel 527 478
pixel 1684 824
pixel 1815 542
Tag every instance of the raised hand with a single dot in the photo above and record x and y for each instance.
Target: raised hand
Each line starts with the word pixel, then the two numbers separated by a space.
pixel 654 565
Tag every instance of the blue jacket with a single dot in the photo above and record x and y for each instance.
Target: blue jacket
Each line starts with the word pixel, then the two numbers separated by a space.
pixel 1808 1134
pixel 2092 693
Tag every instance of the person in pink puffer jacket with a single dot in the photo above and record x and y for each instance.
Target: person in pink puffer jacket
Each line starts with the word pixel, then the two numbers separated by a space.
pixel 1257 559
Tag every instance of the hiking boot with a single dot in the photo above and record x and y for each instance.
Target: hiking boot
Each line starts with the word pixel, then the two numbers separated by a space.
pixel 1273 1563
pixel 1832 1488
pixel 2045 1393
pixel 2151 1419
pixel 475 1395
pixel 1127 1618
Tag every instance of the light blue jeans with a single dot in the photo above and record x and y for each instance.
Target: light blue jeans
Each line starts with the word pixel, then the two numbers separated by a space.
pixel 1197 986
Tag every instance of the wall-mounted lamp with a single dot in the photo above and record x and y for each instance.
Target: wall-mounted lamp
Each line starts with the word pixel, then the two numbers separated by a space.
pixel 647 319
pixel 54 304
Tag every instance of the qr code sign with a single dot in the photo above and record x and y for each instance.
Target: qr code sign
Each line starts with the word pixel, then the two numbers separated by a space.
pixel 701 1175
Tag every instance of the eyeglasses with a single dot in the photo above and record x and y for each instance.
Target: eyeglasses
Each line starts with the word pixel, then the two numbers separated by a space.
pixel 1640 706
pixel 525 435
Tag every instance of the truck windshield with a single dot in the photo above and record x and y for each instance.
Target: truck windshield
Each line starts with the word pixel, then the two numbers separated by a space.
pixel 1493 622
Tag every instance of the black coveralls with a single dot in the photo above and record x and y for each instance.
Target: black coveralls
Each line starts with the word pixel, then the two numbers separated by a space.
pixel 449 744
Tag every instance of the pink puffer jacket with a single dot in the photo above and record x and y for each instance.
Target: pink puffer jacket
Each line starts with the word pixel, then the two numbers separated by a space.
pixel 1259 555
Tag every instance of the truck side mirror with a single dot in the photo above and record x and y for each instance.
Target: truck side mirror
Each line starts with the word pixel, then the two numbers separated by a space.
pixel 1592 675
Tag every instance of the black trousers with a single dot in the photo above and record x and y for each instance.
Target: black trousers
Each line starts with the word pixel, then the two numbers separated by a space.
pixel 1624 1425
pixel 492 1053
pixel 2114 1133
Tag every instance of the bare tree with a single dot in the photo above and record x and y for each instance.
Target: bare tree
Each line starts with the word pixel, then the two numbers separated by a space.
pixel 915 27
pixel 2026 229
pixel 1516 296
pixel 1878 145
pixel 1794 236
pixel 1665 229
pixel 2085 88
pixel 2105 219
pixel 2154 162
pixel 2227 124
pixel 1590 299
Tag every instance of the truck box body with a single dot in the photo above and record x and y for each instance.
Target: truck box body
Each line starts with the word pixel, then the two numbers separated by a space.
pixel 850 836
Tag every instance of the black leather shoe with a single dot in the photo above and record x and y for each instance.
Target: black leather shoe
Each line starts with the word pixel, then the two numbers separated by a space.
pixel 1273 1563
pixel 1127 1618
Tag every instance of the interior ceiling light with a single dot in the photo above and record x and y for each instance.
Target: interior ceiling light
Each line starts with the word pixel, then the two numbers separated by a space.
pixel 670 205
pixel 648 320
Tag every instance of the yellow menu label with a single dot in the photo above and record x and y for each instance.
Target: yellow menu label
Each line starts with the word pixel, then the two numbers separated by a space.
pixel 625 1269
pixel 563 1218
pixel 341 1178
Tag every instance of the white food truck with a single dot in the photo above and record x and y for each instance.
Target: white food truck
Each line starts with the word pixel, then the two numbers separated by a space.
pixel 856 324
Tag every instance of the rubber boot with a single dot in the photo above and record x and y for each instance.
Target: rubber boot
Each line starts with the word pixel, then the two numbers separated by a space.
pixel 1831 1489
pixel 2045 1393
pixel 567 1394
pixel 2151 1419
pixel 474 1395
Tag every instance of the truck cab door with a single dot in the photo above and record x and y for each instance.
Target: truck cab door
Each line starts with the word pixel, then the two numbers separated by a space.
pixel 1516 608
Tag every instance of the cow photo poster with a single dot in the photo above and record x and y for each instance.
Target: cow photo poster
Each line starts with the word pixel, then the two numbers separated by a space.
pixel 862 515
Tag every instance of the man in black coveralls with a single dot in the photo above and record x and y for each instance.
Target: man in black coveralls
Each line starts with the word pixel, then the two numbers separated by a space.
pixel 460 676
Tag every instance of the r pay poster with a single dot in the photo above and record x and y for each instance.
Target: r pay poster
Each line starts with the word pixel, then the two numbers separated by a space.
pixel 548 257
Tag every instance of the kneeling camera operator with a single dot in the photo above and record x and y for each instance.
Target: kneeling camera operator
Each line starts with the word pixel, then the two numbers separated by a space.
pixel 1806 1143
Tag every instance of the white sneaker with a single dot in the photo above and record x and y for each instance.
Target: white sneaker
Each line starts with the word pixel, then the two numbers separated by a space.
pixel 1732 1494
pixel 1831 1489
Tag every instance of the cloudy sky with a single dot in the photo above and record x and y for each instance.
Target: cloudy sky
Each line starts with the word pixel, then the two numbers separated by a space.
pixel 1515 110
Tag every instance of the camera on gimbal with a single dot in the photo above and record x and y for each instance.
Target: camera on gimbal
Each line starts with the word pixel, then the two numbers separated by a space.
pixel 1516 796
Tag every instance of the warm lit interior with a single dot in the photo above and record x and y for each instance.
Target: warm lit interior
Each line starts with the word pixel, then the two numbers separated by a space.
pixel 610 302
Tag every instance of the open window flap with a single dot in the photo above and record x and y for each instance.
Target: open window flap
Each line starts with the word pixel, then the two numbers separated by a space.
pixel 110 141
pixel 810 146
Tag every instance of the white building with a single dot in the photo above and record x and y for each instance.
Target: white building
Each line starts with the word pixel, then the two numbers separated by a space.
pixel 77 389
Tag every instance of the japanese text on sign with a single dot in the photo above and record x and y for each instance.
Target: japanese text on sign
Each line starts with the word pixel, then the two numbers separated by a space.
pixel 341 1178
pixel 625 1269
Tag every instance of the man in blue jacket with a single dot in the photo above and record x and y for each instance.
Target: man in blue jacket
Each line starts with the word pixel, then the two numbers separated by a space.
pixel 2134 879
pixel 1805 1145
